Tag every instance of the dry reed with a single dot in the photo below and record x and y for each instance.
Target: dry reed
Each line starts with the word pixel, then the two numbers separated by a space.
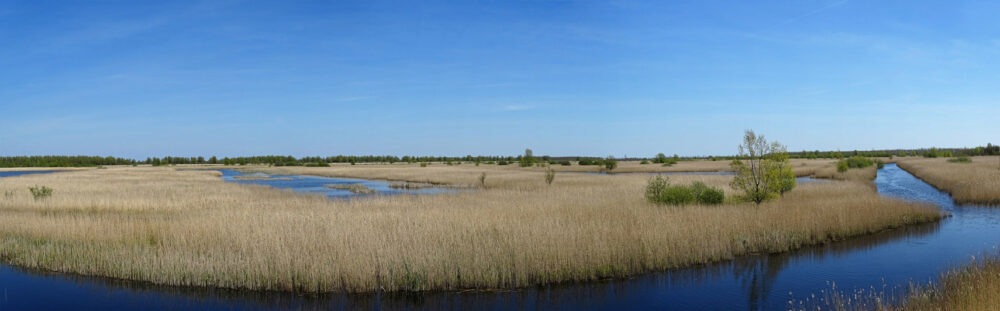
pixel 977 182
pixel 178 227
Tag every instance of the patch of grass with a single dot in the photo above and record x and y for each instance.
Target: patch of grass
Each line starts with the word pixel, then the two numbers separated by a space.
pixel 961 159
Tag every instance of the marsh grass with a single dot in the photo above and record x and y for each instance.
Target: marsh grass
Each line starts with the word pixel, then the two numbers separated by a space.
pixel 190 228
pixel 976 182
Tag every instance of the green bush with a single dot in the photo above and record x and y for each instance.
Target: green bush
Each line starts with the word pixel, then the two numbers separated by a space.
pixel 655 186
pixel 856 162
pixel 707 195
pixel 961 159
pixel 677 195
pixel 610 163
pixel 659 191
pixel 565 163
pixel 550 175
pixel 644 162
pixel 40 192
pixel 318 164
pixel 842 166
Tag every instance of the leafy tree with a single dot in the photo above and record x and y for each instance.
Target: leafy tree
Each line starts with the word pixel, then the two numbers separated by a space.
pixel 528 159
pixel 660 158
pixel 762 169
pixel 610 163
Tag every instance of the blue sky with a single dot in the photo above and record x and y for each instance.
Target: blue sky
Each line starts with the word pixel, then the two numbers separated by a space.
pixel 619 78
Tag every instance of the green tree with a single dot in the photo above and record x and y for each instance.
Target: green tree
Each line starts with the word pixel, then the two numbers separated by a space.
pixel 660 158
pixel 762 169
pixel 610 163
pixel 528 159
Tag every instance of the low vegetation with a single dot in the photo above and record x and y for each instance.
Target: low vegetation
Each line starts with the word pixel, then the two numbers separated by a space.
pixel 974 182
pixel 960 159
pixel 550 176
pixel 187 227
pixel 40 192
pixel 660 191
pixel 353 188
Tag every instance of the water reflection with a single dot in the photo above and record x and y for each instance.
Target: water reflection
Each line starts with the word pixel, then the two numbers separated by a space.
pixel 324 185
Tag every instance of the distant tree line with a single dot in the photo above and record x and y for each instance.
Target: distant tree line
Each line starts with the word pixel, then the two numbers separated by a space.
pixel 62 161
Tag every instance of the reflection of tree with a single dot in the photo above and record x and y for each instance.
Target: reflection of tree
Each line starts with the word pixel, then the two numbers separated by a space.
pixel 754 274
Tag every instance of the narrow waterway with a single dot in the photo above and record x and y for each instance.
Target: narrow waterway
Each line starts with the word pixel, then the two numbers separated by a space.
pixel 889 261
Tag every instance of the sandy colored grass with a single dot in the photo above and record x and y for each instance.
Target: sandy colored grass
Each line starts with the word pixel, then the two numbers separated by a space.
pixel 977 182
pixel 190 228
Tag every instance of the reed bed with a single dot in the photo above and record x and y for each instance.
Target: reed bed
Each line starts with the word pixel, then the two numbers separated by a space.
pixel 977 182
pixel 189 228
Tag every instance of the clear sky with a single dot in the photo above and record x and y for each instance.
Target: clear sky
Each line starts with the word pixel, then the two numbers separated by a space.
pixel 634 78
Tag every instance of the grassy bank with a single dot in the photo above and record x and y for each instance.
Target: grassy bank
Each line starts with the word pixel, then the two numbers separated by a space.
pixel 976 182
pixel 190 228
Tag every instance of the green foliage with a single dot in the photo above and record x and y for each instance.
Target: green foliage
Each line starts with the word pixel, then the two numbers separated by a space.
pixel 40 192
pixel 961 159
pixel 528 159
pixel 842 166
pixel 550 175
pixel 762 169
pixel 565 163
pixel 424 164
pixel 707 195
pixel 932 153
pixel 660 158
pixel 318 164
pixel 62 161
pixel 610 163
pixel 644 162
pixel 590 161
pixel 659 191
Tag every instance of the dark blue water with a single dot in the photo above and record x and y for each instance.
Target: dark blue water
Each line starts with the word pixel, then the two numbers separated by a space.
pixel 315 184
pixel 19 173
pixel 891 259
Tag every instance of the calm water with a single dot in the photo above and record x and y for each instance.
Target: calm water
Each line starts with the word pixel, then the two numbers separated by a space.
pixel 315 184
pixel 767 282
pixel 19 173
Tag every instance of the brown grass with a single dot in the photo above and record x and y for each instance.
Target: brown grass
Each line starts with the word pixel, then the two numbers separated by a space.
pixel 190 228
pixel 976 183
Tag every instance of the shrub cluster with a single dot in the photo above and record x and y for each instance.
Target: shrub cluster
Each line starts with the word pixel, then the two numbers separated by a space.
pixel 856 162
pixel 660 191
pixel 40 192
pixel 961 159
